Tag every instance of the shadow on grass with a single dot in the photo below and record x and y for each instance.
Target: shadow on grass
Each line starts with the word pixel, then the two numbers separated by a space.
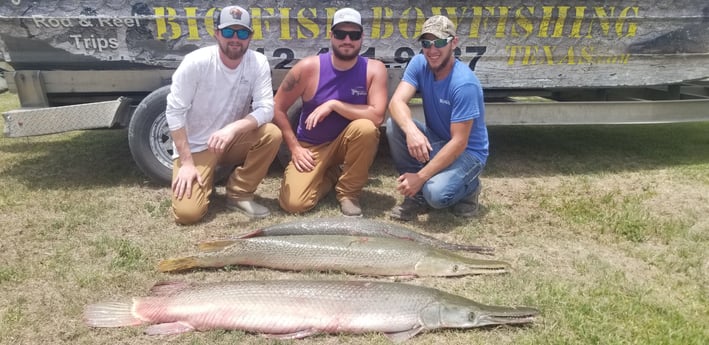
pixel 102 157
pixel 75 160
pixel 518 151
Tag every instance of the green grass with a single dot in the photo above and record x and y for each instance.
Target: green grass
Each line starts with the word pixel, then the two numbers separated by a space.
pixel 607 229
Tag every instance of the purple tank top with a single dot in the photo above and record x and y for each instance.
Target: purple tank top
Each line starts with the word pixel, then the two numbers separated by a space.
pixel 347 86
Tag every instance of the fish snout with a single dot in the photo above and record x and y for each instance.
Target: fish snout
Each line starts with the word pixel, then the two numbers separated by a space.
pixel 488 267
pixel 506 316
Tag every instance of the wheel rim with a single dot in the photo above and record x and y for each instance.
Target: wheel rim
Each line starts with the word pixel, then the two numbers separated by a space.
pixel 161 141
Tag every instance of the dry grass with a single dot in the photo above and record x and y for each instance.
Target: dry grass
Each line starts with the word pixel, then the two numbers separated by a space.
pixel 607 229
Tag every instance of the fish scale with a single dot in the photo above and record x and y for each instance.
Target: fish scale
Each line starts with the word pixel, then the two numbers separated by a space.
pixel 299 308
pixel 323 305
pixel 359 227
pixel 354 254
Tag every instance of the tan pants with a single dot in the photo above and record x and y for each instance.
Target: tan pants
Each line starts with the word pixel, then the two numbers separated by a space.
pixel 354 149
pixel 253 152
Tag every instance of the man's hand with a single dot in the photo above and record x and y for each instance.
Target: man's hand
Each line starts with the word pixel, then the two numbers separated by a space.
pixel 182 185
pixel 318 115
pixel 303 159
pixel 220 140
pixel 409 184
pixel 419 146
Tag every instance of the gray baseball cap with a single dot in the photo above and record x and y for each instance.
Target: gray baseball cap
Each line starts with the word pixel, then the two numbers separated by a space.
pixel 439 26
pixel 234 15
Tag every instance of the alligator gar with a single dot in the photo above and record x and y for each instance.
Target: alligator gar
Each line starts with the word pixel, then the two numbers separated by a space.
pixel 288 309
pixel 359 227
pixel 376 256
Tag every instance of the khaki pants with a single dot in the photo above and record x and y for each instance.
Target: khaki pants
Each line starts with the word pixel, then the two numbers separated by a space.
pixel 354 149
pixel 253 152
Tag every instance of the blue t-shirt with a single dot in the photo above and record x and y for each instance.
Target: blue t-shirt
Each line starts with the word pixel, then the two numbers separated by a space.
pixel 457 98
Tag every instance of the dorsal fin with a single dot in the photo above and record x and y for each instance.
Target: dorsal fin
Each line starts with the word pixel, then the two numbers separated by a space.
pixel 168 287
pixel 215 245
pixel 255 233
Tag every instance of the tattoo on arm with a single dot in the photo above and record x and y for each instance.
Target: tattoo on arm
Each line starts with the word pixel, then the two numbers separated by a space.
pixel 290 82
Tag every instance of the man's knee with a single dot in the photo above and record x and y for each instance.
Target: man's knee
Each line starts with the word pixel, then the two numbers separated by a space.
pixel 437 198
pixel 271 134
pixel 296 206
pixel 188 215
pixel 297 201
pixel 365 127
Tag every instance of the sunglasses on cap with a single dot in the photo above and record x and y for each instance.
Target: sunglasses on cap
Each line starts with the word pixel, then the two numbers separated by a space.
pixel 439 43
pixel 341 34
pixel 242 34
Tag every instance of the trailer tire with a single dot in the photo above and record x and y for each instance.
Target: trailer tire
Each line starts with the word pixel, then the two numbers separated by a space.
pixel 149 137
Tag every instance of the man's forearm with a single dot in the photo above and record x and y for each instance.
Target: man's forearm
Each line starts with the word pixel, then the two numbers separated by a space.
pixel 245 124
pixel 182 145
pixel 357 111
pixel 401 114
pixel 280 119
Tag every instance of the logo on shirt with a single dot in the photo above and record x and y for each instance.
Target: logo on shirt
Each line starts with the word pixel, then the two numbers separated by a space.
pixel 359 91
pixel 444 101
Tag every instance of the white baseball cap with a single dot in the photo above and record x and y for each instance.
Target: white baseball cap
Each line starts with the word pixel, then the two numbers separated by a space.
pixel 234 15
pixel 347 15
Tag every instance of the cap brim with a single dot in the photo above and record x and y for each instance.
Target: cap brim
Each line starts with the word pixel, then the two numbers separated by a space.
pixel 228 25
pixel 360 26
pixel 437 34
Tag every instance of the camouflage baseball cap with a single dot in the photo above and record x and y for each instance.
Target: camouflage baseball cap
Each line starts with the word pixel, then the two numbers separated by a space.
pixel 439 26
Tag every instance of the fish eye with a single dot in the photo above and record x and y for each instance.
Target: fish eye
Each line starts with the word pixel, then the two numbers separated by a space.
pixel 471 316
pixel 455 268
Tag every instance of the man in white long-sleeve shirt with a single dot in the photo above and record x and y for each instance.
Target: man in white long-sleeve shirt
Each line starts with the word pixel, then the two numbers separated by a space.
pixel 219 112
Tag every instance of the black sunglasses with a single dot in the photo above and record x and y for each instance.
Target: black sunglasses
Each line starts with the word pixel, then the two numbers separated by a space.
pixel 242 34
pixel 341 34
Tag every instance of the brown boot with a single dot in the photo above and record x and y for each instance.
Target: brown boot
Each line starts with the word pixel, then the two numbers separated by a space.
pixel 408 210
pixel 248 207
pixel 469 206
pixel 350 207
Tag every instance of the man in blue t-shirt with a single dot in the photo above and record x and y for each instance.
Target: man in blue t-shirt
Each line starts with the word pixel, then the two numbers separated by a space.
pixel 439 162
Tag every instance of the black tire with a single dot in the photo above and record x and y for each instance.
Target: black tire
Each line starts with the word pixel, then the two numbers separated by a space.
pixel 283 155
pixel 151 143
pixel 149 137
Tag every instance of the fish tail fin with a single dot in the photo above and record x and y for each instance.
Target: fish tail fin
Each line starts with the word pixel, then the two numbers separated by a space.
pixel 110 314
pixel 178 264
pixel 215 246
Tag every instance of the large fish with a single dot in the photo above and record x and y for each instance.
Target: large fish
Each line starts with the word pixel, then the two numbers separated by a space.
pixel 359 227
pixel 289 309
pixel 379 256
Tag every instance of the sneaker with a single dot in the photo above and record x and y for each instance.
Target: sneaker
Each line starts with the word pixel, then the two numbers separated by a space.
pixel 469 206
pixel 350 207
pixel 248 207
pixel 408 210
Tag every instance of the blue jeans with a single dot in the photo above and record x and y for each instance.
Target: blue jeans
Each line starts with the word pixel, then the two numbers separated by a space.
pixel 449 185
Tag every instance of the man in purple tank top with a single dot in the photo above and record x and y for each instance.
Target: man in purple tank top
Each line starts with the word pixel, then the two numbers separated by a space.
pixel 344 99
